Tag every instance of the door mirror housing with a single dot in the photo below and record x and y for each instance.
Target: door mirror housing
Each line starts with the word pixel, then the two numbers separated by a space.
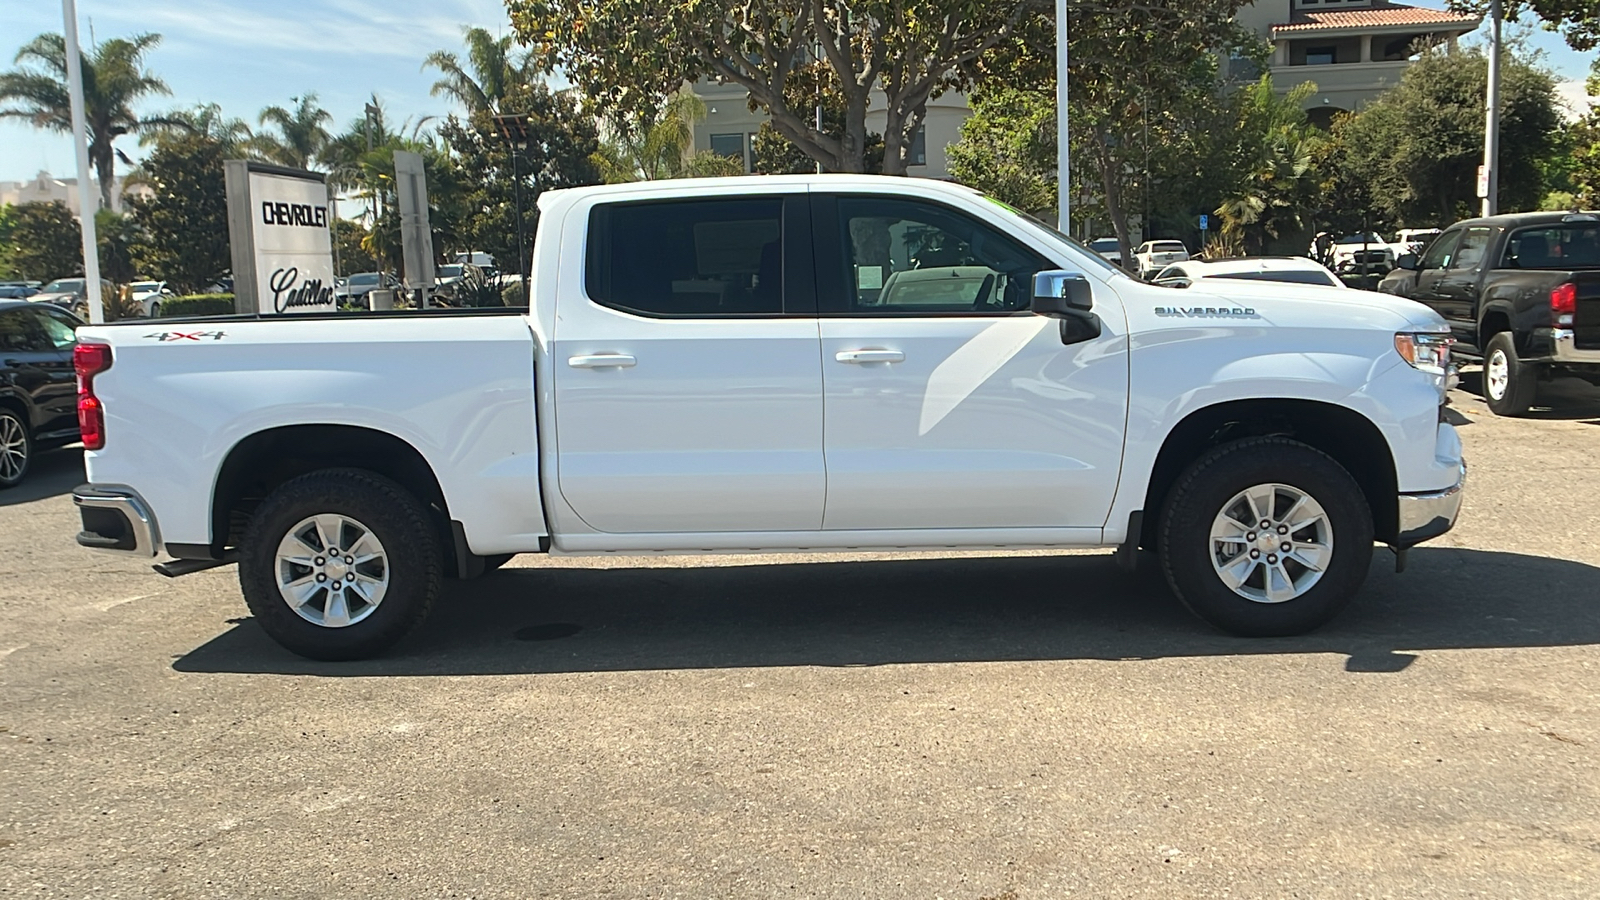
pixel 1060 294
pixel 1408 261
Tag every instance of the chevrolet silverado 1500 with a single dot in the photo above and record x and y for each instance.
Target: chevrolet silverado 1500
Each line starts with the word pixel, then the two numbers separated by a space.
pixel 785 363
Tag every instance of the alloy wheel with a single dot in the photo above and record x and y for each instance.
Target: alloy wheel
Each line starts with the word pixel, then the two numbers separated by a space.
pixel 332 570
pixel 1497 375
pixel 1271 543
pixel 13 448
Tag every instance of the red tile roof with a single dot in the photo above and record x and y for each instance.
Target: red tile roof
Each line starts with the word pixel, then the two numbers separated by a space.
pixel 1376 16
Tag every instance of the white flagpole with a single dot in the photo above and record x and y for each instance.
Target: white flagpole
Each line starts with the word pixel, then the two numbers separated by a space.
pixel 80 142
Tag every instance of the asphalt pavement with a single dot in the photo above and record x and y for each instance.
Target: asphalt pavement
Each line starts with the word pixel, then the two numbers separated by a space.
pixel 960 726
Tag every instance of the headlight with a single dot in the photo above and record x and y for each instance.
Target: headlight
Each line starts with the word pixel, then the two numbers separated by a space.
pixel 1425 351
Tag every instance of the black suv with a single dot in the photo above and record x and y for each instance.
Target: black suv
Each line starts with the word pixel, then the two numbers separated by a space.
pixel 38 390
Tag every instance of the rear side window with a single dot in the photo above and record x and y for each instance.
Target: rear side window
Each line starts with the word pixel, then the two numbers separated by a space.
pixel 1569 245
pixel 687 257
pixel 1287 276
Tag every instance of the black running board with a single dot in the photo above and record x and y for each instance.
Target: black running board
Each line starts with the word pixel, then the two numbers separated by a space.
pixel 180 567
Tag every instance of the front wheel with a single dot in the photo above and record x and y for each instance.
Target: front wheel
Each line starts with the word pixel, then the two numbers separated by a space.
pixel 1509 384
pixel 1266 537
pixel 340 564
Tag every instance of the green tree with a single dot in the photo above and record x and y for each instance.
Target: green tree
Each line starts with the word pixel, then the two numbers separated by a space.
pixel 1008 148
pixel 205 119
pixel 813 84
pixel 8 227
pixel 1577 20
pixel 1420 143
pixel 628 55
pixel 114 81
pixel 561 145
pixel 662 147
pixel 301 137
pixel 350 247
pixel 45 242
pixel 1583 140
pixel 116 236
pixel 183 220
pixel 491 70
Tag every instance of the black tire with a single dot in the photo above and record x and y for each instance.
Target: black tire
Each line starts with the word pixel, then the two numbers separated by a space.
pixel 1201 494
pixel 15 439
pixel 1522 379
pixel 394 516
pixel 155 311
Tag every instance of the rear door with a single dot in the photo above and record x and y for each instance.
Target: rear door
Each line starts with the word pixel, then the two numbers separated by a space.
pixel 948 404
pixel 688 395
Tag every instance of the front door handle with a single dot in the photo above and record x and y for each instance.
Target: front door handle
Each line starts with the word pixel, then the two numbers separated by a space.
pixel 869 356
pixel 602 361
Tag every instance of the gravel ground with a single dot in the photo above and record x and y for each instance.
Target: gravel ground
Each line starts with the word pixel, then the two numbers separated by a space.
pixel 962 726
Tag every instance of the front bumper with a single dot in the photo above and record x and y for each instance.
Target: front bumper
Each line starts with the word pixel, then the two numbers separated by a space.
pixel 116 520
pixel 1424 517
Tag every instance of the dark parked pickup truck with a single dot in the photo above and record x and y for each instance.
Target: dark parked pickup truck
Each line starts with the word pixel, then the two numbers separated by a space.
pixel 1521 293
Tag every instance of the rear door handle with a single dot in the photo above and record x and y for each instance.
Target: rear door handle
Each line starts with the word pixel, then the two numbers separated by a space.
pixel 869 356
pixel 602 361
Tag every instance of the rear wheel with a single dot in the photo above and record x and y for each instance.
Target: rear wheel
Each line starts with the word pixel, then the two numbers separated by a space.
pixel 1266 537
pixel 340 564
pixel 1509 384
pixel 155 310
pixel 16 448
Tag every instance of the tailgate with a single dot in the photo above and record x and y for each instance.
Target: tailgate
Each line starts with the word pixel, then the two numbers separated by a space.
pixel 1586 320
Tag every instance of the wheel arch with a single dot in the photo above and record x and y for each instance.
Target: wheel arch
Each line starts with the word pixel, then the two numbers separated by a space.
pixel 259 463
pixel 1496 317
pixel 1346 435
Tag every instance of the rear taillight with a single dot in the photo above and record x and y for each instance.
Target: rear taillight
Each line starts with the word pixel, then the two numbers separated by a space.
pixel 1563 304
pixel 89 360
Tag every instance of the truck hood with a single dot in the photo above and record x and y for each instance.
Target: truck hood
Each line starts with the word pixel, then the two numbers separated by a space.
pixel 1268 297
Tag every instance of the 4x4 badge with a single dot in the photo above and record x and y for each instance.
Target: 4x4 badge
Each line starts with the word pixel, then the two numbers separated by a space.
pixel 166 336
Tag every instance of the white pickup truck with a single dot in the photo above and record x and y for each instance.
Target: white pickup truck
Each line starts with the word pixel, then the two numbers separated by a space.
pixel 765 364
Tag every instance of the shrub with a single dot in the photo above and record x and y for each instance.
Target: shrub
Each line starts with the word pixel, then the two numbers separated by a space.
pixel 513 295
pixel 197 305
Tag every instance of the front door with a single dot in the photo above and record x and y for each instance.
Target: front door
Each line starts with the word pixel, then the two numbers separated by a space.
pixel 1433 268
pixel 687 392
pixel 948 404
pixel 1456 291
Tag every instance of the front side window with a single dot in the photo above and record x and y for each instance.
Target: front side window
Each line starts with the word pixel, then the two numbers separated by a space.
pixel 1441 251
pixel 687 257
pixel 19 332
pixel 49 331
pixel 914 257
pixel 1469 253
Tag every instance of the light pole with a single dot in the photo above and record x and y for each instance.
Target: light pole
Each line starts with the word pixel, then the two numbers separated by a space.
pixel 86 204
pixel 1489 175
pixel 1063 146
pixel 514 128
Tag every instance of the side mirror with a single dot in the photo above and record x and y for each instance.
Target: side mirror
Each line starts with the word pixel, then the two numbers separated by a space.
pixel 1408 261
pixel 1060 294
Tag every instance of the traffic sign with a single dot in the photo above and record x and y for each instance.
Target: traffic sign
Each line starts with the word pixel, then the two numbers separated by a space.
pixel 1205 223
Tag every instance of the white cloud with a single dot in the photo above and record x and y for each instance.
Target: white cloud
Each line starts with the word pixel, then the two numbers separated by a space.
pixel 1574 96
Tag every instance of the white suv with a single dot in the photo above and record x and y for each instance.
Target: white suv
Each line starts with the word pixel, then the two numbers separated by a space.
pixel 1153 256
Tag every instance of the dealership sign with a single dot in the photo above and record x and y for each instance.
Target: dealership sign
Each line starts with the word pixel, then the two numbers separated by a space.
pixel 279 226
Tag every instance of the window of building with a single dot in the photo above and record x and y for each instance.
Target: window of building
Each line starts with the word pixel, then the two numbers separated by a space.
pixel 1322 56
pixel 917 155
pixel 687 257
pixel 906 257
pixel 730 145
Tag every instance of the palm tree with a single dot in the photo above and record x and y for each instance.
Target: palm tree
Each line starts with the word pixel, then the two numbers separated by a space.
pixel 206 120
pixel 663 148
pixel 301 139
pixel 114 79
pixel 494 69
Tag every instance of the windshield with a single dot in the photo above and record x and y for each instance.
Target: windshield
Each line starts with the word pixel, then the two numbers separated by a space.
pixel 63 286
pixel 1359 239
pixel 1039 225
pixel 364 278
pixel 146 286
pixel 1567 245
pixel 1168 247
pixel 449 271
pixel 1104 245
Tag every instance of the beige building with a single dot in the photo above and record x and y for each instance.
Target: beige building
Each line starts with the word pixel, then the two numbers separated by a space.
pixel 45 188
pixel 1353 50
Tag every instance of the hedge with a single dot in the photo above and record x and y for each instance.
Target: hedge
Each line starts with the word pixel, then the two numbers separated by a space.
pixel 197 305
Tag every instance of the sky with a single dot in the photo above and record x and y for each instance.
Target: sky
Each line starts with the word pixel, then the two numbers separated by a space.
pixel 249 54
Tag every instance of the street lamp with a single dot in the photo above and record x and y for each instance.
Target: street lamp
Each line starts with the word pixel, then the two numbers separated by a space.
pixel 514 128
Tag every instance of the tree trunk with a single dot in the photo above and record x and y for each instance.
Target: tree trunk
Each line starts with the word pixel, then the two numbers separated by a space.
pixel 853 148
pixel 1110 170
pixel 104 162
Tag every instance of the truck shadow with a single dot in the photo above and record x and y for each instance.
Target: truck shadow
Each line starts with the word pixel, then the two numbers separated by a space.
pixel 557 618
pixel 1563 397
